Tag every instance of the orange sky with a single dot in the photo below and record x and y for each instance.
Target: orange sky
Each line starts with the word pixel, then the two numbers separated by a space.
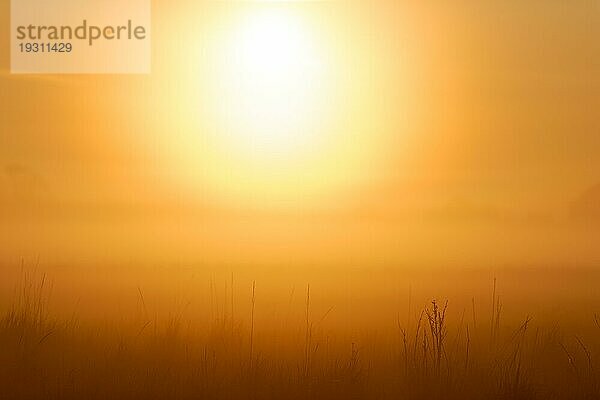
pixel 469 112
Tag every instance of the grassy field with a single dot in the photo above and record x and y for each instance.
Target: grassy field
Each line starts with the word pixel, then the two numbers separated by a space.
pixel 429 352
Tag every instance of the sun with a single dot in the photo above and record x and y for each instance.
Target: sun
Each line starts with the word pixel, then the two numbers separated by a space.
pixel 272 74
pixel 268 105
pixel 272 108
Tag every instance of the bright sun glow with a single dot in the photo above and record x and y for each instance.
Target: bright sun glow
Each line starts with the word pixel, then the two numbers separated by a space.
pixel 275 111
pixel 272 76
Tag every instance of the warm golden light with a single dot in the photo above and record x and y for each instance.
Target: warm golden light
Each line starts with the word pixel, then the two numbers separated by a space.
pixel 263 123
pixel 272 75
pixel 277 111
pixel 303 200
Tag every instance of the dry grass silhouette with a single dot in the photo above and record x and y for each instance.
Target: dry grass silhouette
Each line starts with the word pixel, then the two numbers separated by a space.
pixel 434 356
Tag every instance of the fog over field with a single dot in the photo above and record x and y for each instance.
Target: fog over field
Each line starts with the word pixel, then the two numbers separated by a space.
pixel 308 200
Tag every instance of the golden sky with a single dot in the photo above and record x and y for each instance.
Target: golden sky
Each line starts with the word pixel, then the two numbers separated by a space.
pixel 387 116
